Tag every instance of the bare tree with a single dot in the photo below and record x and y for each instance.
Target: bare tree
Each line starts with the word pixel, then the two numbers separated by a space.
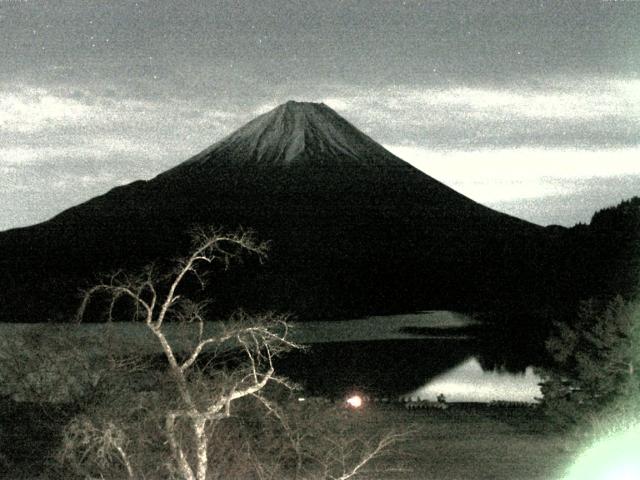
pixel 219 371
pixel 157 299
pixel 336 443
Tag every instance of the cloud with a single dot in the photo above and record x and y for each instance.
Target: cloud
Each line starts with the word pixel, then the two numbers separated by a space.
pixel 340 104
pixel 34 109
pixel 87 149
pixel 65 125
pixel 577 202
pixel 25 109
pixel 522 163
pixel 264 108
pixel 590 113
pixel 586 101
pixel 29 200
pixel 499 175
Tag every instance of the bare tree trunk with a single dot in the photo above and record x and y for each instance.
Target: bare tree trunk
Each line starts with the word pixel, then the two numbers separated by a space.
pixel 202 452
pixel 176 450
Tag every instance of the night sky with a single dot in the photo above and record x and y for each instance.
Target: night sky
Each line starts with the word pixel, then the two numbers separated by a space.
pixel 530 107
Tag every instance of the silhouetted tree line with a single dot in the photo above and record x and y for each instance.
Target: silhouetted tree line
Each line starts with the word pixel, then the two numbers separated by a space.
pixel 594 380
pixel 592 263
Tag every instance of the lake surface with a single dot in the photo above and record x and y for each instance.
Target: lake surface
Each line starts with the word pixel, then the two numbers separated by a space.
pixel 410 369
pixel 416 356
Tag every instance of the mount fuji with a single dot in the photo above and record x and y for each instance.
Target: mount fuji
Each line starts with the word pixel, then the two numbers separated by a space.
pixel 354 229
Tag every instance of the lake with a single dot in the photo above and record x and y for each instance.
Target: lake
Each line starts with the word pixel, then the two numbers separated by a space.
pixel 418 357
pixel 413 356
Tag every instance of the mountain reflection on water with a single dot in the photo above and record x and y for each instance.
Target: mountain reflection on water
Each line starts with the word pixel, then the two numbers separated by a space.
pixel 469 382
pixel 417 356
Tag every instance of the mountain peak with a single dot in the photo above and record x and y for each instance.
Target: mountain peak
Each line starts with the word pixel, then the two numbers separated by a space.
pixel 297 133
pixel 294 107
pixel 294 104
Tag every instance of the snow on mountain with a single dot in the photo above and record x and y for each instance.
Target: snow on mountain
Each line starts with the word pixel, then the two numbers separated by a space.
pixel 297 132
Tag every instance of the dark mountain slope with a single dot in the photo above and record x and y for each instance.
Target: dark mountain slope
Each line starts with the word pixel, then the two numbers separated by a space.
pixel 354 229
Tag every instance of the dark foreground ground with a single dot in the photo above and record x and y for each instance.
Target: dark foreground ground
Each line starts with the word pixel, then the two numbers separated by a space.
pixel 475 442
pixel 462 442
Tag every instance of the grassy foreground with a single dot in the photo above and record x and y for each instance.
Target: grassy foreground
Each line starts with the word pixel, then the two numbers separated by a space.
pixel 464 442
pixel 471 441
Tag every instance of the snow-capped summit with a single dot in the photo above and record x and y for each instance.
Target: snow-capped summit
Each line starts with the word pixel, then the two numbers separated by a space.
pixel 298 133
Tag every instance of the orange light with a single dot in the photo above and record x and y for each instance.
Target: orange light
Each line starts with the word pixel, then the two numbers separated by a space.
pixel 355 401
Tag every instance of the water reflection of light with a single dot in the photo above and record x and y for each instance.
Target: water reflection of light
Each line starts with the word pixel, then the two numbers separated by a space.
pixel 468 382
